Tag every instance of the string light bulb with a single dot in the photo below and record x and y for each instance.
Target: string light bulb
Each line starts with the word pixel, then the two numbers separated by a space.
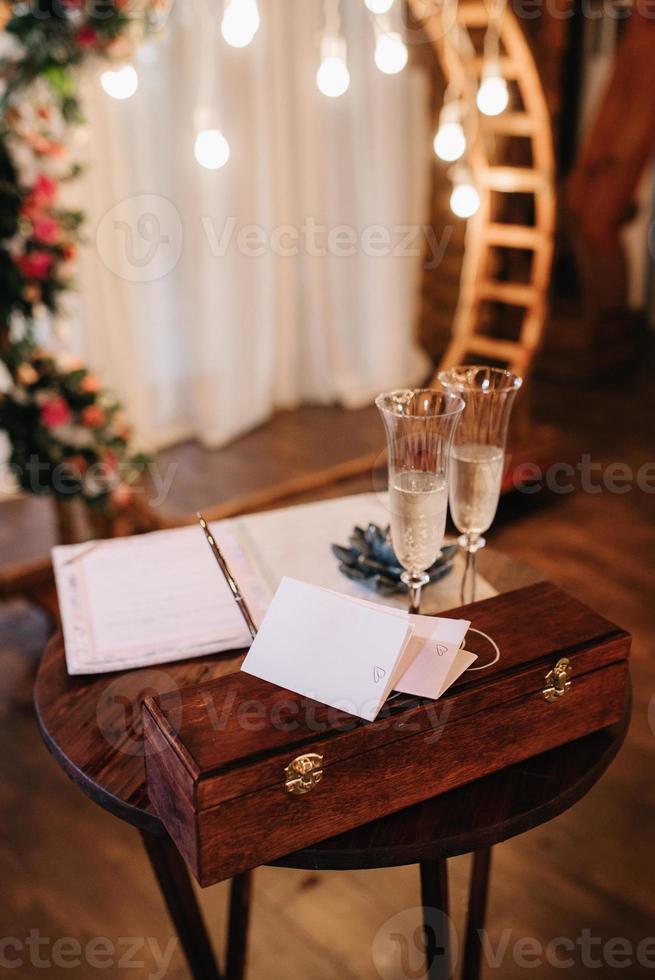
pixel 450 138
pixel 493 94
pixel 211 149
pixel 390 52
pixel 464 198
pixel 379 6
pixel 333 77
pixel 120 83
pixel 240 22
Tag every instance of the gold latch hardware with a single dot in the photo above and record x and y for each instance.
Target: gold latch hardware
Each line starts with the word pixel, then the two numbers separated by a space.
pixel 558 681
pixel 304 773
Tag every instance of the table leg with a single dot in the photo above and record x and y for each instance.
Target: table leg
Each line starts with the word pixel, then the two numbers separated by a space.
pixel 237 937
pixel 476 913
pixel 175 884
pixel 434 894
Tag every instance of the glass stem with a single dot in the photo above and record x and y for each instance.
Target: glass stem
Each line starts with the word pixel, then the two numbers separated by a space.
pixel 471 543
pixel 415 596
pixel 468 578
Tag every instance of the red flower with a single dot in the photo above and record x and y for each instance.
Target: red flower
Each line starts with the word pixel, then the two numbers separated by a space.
pixel 46 229
pixel 93 417
pixel 77 465
pixel 55 412
pixel 69 250
pixel 87 37
pixel 35 265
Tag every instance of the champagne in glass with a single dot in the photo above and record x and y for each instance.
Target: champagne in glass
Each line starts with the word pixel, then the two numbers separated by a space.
pixel 418 503
pixel 478 454
pixel 420 425
pixel 475 480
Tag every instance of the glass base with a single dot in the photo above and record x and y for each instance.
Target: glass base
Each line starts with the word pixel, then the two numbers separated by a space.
pixel 471 542
pixel 414 583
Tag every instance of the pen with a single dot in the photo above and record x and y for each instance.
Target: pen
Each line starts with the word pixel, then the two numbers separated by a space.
pixel 229 578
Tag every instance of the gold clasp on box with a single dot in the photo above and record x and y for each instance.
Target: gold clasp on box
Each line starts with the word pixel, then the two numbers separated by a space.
pixel 558 681
pixel 304 773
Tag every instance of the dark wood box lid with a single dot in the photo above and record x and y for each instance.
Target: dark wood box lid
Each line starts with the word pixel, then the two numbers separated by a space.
pixel 231 733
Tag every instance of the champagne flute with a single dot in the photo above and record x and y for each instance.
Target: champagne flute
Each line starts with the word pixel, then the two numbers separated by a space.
pixel 419 425
pixel 478 455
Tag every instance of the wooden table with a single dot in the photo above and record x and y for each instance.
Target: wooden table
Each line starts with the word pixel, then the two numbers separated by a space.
pixel 92 727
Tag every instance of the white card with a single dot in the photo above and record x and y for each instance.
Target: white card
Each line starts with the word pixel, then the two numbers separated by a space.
pixel 327 647
pixel 435 646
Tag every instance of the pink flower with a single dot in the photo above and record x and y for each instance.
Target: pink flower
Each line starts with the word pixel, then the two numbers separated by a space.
pixel 55 412
pixel 44 191
pixel 121 495
pixel 87 37
pixel 35 265
pixel 46 229
pixel 93 417
pixel 26 374
pixel 90 384
pixel 45 147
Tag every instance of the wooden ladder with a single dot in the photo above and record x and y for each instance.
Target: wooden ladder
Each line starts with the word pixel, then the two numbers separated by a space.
pixel 494 177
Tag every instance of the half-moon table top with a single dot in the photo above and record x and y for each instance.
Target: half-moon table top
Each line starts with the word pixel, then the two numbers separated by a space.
pixel 92 726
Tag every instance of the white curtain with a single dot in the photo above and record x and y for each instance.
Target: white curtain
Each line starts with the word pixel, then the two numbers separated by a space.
pixel 249 319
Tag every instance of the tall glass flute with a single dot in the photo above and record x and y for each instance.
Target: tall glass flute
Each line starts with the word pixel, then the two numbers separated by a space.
pixel 478 455
pixel 419 424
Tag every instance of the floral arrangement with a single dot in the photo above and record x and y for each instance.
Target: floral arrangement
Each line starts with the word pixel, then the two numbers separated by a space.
pixel 55 412
pixel 68 434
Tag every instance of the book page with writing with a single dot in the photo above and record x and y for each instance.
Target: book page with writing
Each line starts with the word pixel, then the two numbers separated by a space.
pixel 153 598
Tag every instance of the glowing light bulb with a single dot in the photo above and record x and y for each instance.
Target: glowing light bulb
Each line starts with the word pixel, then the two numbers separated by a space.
pixel 120 83
pixel 450 142
pixel 240 22
pixel 450 139
pixel 493 94
pixel 464 199
pixel 379 6
pixel 211 149
pixel 390 52
pixel 333 77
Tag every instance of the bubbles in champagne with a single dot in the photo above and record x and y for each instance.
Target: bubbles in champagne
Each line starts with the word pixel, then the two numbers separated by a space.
pixel 418 503
pixel 476 473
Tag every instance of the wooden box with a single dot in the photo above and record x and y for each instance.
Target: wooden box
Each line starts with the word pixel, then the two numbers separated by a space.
pixel 242 772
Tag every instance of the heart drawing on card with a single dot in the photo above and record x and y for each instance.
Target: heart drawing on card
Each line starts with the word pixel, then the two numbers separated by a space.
pixel 441 649
pixel 378 674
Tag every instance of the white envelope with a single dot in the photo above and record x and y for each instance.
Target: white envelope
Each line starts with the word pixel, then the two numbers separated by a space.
pixel 327 647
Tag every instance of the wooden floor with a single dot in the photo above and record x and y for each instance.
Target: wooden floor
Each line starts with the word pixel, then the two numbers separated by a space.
pixel 69 869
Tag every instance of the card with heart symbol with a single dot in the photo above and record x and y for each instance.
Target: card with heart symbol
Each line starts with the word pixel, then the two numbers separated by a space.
pixel 331 648
pixel 438 659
